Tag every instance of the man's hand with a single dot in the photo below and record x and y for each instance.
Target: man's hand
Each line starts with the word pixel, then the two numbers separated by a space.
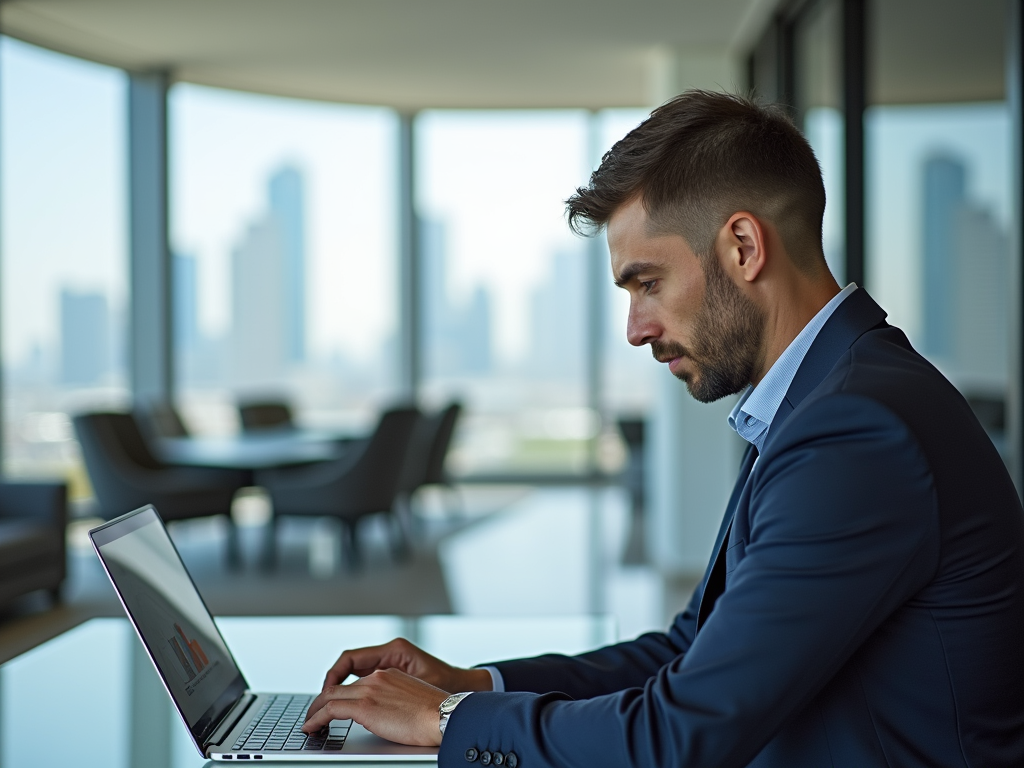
pixel 388 702
pixel 402 655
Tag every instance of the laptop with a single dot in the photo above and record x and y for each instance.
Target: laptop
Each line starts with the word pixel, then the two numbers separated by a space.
pixel 226 720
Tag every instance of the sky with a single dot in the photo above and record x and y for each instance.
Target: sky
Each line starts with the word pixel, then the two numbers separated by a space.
pixel 62 159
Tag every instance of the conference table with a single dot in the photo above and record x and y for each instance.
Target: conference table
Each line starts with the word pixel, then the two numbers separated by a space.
pixel 90 697
pixel 264 450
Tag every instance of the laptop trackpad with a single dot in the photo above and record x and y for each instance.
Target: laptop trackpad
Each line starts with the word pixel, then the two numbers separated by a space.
pixel 361 741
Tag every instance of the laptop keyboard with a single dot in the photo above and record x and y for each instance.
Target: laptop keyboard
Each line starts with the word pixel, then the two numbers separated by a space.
pixel 277 727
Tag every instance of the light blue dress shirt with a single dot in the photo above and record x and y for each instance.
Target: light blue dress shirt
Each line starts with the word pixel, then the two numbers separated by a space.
pixel 753 414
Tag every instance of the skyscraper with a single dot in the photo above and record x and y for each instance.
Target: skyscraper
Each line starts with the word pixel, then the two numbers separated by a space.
pixel 186 303
pixel 966 296
pixel 288 209
pixel 85 354
pixel 474 342
pixel 268 278
pixel 981 309
pixel 557 316
pixel 456 334
pixel 944 191
pixel 258 328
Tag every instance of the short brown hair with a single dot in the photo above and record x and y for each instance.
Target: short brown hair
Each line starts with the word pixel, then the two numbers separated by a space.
pixel 703 156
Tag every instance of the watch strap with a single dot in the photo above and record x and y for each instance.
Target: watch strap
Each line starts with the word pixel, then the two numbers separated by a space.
pixel 447 707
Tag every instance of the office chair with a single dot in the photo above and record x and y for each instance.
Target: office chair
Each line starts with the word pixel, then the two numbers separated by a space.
pixel 633 480
pixel 164 420
pixel 363 481
pixel 425 463
pixel 264 415
pixel 33 519
pixel 125 475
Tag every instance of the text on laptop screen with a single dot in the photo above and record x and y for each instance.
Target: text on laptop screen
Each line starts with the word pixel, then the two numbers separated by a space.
pixel 170 615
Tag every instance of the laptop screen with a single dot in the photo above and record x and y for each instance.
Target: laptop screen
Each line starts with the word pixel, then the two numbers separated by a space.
pixel 171 618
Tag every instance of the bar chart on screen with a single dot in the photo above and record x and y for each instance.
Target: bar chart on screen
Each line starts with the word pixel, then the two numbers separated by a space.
pixel 195 650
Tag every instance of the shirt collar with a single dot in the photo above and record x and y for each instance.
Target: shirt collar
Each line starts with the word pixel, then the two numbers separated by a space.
pixel 753 414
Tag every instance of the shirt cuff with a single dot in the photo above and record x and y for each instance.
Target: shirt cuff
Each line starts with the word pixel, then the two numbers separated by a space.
pixel 497 681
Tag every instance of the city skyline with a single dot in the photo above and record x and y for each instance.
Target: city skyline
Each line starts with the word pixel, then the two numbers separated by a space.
pixel 495 180
pixel 85 338
pixel 268 286
pixel 964 275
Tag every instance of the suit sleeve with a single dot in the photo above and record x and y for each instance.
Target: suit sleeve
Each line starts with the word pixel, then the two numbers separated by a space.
pixel 843 530
pixel 616 667
pixel 606 670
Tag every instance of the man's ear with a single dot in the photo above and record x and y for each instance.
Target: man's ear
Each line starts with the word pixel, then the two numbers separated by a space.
pixel 743 245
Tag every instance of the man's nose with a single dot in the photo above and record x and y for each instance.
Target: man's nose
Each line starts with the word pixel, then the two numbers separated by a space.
pixel 640 329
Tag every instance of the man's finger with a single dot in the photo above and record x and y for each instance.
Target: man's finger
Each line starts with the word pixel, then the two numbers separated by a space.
pixel 317 704
pixel 334 703
pixel 335 709
pixel 359 662
pixel 356 690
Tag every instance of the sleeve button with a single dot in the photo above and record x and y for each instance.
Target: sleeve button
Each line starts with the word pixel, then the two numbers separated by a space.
pixel 471 755
pixel 485 758
pixel 511 761
pixel 498 758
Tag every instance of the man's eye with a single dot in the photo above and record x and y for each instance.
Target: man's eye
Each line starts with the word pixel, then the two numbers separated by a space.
pixel 648 285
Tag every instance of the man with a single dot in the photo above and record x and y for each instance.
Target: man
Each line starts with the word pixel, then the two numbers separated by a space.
pixel 864 604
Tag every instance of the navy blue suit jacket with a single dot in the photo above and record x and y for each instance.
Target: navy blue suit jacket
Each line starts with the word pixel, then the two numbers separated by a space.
pixel 864 606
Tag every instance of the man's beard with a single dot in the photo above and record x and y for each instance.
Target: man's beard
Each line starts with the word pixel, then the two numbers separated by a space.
pixel 727 340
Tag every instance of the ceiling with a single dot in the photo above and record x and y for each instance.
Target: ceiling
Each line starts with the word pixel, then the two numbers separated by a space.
pixel 412 54
pixel 934 51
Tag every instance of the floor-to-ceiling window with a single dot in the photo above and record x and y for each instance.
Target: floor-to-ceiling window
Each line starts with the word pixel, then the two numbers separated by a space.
pixel 627 378
pixel 817 102
pixel 503 286
pixel 937 169
pixel 64 256
pixel 283 232
pixel 939 189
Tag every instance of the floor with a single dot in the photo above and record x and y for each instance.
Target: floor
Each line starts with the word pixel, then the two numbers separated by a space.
pixel 512 551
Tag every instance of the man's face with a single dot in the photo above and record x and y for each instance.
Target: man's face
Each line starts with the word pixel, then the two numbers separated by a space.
pixel 694 318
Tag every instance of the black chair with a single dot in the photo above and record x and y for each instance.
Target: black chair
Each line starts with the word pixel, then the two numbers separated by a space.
pixel 634 481
pixel 125 475
pixel 164 420
pixel 427 451
pixel 33 518
pixel 265 415
pixel 363 481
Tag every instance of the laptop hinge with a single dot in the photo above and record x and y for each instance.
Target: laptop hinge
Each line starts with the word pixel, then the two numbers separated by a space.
pixel 229 720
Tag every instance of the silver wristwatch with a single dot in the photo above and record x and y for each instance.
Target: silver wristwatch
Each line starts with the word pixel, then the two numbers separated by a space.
pixel 447 707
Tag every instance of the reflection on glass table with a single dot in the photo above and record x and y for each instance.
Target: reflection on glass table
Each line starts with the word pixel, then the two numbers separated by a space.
pixel 252 452
pixel 90 697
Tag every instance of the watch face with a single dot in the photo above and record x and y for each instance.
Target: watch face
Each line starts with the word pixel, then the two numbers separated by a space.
pixel 448 705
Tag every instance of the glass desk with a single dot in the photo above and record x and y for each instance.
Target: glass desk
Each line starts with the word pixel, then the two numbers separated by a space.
pixel 251 452
pixel 90 698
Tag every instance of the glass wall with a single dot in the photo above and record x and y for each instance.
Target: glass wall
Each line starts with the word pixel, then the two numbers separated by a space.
pixel 818 97
pixel 628 381
pixel 65 270
pixel 503 286
pixel 284 239
pixel 939 191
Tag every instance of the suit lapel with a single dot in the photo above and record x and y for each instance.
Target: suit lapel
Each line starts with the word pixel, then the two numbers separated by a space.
pixel 855 316
pixel 714 584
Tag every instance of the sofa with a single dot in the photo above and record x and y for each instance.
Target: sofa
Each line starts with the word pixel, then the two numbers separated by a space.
pixel 33 518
